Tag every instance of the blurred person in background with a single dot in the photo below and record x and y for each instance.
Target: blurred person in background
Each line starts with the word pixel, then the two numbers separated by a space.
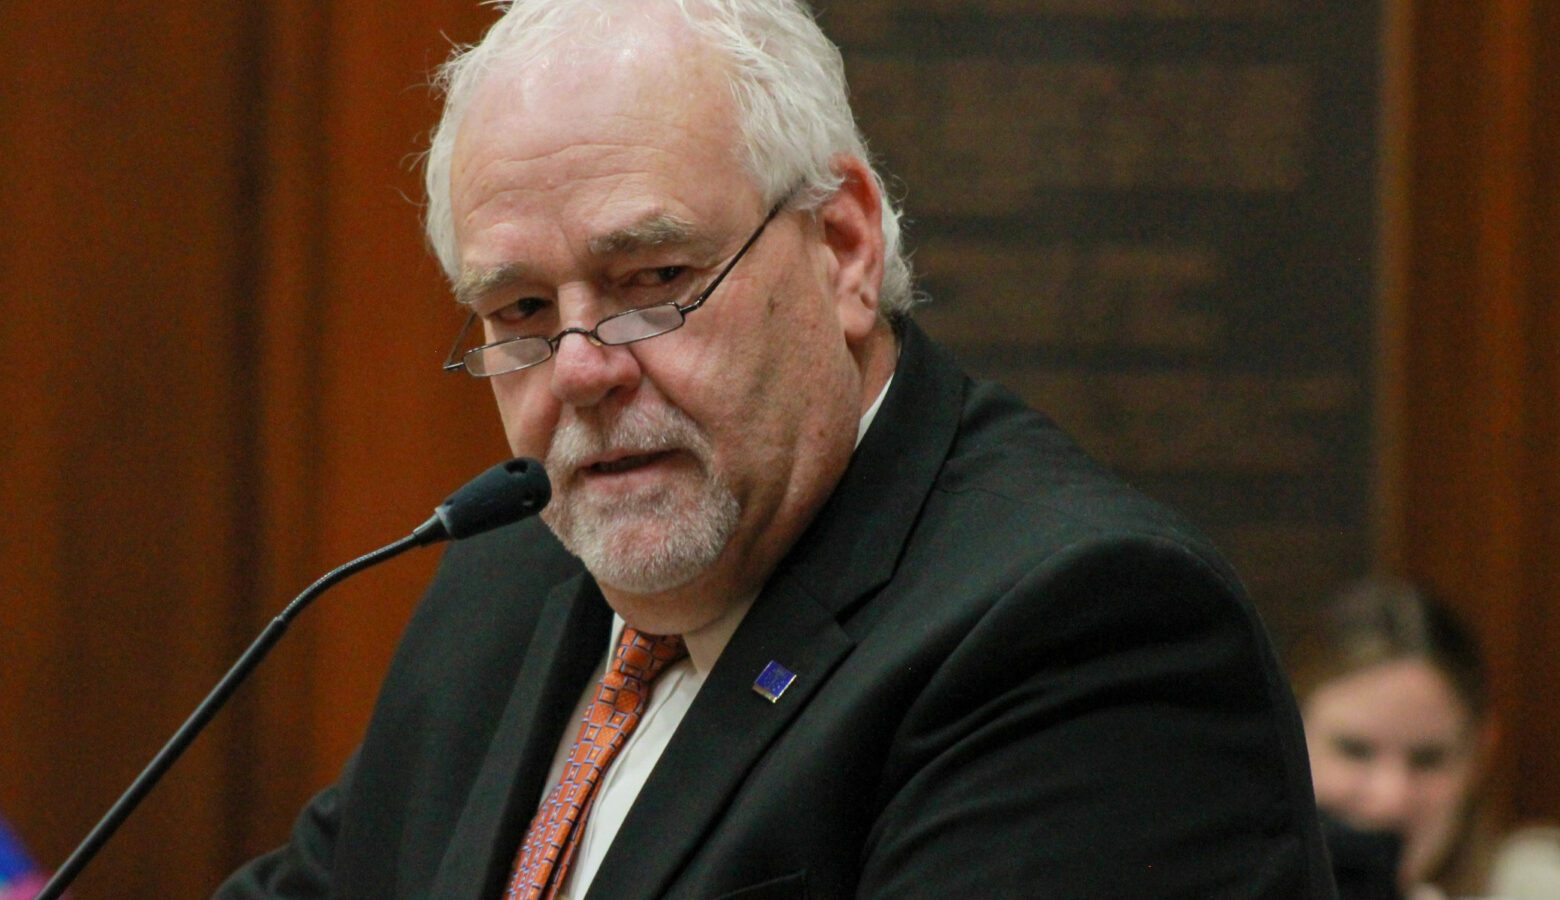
pixel 1393 693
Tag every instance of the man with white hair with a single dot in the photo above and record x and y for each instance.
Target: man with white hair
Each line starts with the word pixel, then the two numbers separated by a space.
pixel 811 614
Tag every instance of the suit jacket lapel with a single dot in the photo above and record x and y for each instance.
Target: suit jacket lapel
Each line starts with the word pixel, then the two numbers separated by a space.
pixel 569 640
pixel 723 734
pixel 846 555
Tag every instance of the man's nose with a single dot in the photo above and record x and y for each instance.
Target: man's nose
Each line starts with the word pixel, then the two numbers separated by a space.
pixel 584 372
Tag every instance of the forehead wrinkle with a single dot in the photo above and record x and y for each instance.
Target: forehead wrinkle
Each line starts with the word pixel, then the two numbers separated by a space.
pixel 655 230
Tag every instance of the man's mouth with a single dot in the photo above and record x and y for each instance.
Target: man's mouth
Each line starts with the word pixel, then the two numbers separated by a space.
pixel 624 463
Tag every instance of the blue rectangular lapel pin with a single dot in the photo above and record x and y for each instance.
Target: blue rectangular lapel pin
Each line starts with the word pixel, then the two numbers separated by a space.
pixel 773 681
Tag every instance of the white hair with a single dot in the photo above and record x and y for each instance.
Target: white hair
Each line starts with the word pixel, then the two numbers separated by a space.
pixel 786 78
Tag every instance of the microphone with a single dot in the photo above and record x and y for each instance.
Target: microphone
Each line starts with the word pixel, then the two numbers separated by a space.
pixel 508 492
pixel 504 494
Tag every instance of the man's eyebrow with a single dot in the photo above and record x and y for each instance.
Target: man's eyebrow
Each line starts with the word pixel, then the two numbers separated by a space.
pixel 474 284
pixel 655 230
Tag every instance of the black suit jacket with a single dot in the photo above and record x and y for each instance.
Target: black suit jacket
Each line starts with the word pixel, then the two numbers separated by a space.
pixel 1016 678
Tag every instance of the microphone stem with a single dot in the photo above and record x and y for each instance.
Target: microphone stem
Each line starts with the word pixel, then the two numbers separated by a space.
pixel 208 707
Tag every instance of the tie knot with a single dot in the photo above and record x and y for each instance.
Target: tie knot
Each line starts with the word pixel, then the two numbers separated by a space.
pixel 642 656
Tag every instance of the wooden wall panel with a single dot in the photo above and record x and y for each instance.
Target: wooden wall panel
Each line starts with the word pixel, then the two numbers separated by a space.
pixel 1536 705
pixel 223 200
pixel 363 435
pixel 1478 389
pixel 32 441
pixel 124 253
pixel 402 433
pixel 277 744
pixel 1153 221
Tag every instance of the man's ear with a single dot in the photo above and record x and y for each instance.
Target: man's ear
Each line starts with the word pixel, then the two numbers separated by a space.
pixel 852 222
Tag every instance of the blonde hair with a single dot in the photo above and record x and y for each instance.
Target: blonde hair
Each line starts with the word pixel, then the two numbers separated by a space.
pixel 1383 619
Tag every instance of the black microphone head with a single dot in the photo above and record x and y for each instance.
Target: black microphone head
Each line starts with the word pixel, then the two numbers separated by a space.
pixel 506 493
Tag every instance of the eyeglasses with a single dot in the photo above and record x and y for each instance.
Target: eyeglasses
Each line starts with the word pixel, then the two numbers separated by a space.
pixel 514 354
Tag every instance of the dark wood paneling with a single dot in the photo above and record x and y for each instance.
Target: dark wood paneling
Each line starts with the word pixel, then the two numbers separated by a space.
pixel 1154 221
pixel 362 434
pixel 402 433
pixel 220 350
pixel 1478 390
pixel 1538 759
pixel 123 205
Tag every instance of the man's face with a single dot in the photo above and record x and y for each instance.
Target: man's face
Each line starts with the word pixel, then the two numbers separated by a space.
pixel 604 181
pixel 1393 748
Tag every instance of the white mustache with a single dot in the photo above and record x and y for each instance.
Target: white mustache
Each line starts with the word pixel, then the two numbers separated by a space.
pixel 643 430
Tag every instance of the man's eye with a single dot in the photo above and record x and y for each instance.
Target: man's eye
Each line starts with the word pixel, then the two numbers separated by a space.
pixel 657 277
pixel 521 310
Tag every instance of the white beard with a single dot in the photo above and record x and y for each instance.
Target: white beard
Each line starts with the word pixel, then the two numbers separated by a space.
pixel 656 539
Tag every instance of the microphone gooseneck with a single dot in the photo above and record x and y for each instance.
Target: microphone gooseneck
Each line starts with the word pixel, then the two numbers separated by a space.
pixel 504 494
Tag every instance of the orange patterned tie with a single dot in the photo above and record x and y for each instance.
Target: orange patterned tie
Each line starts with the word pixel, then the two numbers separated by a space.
pixel 549 844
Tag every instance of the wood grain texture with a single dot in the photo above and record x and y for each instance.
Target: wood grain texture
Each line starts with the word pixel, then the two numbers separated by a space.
pixel 1478 388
